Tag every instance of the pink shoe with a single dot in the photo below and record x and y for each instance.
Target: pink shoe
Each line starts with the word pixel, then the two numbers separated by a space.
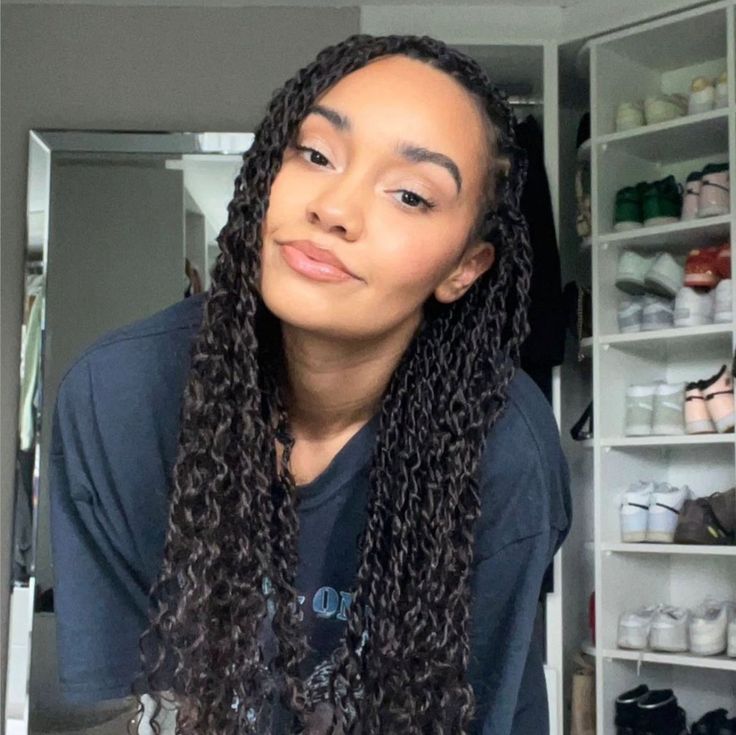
pixel 691 198
pixel 718 393
pixel 697 418
pixel 714 195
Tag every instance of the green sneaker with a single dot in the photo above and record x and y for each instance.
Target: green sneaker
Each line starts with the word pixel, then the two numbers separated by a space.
pixel 662 202
pixel 628 213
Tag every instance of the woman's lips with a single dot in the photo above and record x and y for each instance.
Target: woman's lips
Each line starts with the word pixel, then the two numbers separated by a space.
pixel 314 269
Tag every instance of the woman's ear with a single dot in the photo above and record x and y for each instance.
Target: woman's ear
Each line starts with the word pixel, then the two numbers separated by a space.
pixel 476 260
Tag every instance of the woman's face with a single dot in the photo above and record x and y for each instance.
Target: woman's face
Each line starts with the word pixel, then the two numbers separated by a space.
pixel 397 221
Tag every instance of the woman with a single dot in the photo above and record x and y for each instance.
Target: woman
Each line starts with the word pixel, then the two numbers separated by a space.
pixel 403 599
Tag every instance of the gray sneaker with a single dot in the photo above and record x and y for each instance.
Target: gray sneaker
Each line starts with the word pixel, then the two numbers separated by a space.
pixel 668 416
pixel 639 408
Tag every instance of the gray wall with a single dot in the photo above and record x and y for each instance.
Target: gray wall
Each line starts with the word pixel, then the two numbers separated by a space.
pixel 126 68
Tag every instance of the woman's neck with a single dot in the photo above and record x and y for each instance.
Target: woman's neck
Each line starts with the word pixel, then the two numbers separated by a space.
pixel 332 387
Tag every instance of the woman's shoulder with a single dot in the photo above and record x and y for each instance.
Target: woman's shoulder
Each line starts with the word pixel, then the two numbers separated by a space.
pixel 523 473
pixel 129 381
pixel 138 353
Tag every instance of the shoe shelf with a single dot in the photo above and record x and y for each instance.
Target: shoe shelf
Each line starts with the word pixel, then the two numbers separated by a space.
pixel 644 362
pixel 692 550
pixel 690 334
pixel 660 57
pixel 721 663
pixel 698 689
pixel 704 134
pixel 678 235
pixel 663 440
pixel 704 468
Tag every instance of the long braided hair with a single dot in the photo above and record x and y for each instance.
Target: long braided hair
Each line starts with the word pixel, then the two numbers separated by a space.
pixel 230 557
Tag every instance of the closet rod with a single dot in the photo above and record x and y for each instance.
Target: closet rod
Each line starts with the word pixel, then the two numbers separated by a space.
pixel 525 101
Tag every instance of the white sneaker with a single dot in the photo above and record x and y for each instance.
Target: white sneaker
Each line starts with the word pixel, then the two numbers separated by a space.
pixel 693 308
pixel 633 511
pixel 639 409
pixel 634 626
pixel 629 115
pixel 662 107
pixel 630 314
pixel 658 312
pixel 702 95
pixel 664 511
pixel 731 649
pixel 665 276
pixel 722 91
pixel 668 409
pixel 708 628
pixel 669 629
pixel 723 302
pixel 631 270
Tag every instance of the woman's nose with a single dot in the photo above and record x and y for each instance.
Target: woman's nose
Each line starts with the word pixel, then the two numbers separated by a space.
pixel 338 208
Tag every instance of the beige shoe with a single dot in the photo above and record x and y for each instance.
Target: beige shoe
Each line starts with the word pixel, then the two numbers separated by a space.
pixel 662 107
pixel 702 96
pixel 629 115
pixel 721 84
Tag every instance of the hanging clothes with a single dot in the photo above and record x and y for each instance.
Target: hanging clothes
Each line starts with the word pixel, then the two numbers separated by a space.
pixel 545 346
pixel 30 355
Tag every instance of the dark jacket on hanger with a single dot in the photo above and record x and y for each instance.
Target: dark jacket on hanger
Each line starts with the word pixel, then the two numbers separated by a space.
pixel 545 345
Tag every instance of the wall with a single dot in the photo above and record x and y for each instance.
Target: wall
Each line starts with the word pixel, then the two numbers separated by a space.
pixel 126 68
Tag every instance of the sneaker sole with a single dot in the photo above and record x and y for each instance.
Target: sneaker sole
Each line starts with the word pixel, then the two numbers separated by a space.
pixel 630 285
pixel 662 286
pixel 699 281
pixel 659 117
pixel 712 211
pixel 726 424
pixel 654 221
pixel 707 648
pixel 693 322
pixel 660 537
pixel 634 537
pixel 626 226
pixel 700 427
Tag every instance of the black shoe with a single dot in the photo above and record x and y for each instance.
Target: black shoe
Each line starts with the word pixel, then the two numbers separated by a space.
pixel 711 723
pixel 626 713
pixel 659 714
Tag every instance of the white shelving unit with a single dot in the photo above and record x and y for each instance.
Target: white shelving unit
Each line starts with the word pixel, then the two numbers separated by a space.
pixel 659 56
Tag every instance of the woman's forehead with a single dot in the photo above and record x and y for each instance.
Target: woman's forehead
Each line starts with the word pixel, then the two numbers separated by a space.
pixel 401 98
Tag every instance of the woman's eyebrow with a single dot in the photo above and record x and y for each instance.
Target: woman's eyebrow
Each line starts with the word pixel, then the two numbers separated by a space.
pixel 409 151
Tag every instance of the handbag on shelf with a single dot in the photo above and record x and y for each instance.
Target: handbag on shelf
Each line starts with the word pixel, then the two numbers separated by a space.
pixel 583 698
pixel 583 427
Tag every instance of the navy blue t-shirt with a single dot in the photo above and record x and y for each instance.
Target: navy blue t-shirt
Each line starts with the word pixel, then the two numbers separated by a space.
pixel 115 428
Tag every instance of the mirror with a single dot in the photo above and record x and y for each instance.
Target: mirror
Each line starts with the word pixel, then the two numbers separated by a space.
pixel 120 225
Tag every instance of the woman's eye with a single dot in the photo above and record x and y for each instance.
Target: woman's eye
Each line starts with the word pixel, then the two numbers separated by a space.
pixel 414 201
pixel 314 152
pixel 410 199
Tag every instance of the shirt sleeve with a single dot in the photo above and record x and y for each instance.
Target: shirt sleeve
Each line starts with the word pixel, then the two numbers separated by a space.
pixel 100 585
pixel 526 513
pixel 503 647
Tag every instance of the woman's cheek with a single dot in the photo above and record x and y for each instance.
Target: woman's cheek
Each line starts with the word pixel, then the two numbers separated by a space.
pixel 420 265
